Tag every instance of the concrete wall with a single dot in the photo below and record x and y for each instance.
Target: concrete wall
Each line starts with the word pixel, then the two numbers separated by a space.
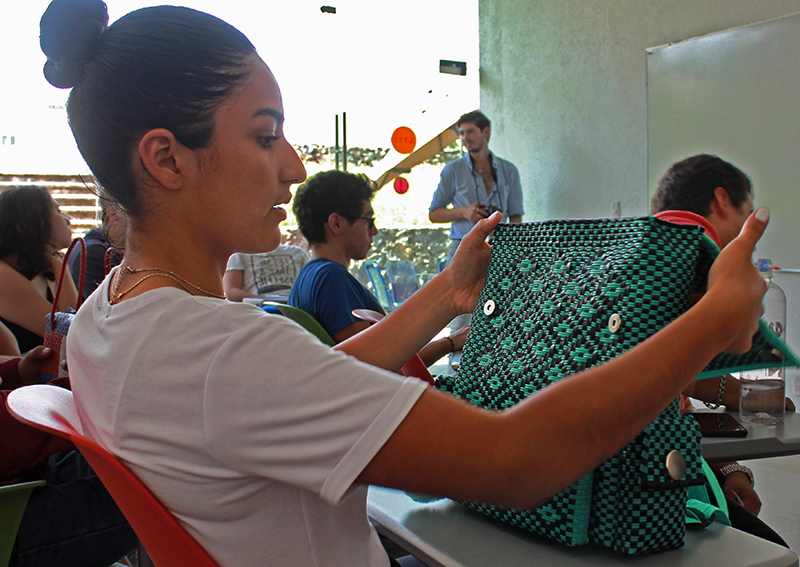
pixel 564 84
pixel 789 282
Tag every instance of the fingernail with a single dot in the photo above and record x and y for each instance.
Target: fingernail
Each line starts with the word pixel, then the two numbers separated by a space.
pixel 762 214
pixel 46 350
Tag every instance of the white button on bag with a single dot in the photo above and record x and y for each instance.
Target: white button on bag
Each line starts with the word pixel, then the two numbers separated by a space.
pixel 676 465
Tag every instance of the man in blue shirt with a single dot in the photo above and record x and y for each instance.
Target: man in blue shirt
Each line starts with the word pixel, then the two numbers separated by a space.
pixel 334 213
pixel 476 185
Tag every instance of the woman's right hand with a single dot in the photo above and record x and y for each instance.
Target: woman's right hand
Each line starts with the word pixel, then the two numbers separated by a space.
pixel 734 278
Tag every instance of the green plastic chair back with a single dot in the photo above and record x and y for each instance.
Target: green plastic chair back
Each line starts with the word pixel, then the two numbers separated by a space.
pixel 303 319
pixel 13 499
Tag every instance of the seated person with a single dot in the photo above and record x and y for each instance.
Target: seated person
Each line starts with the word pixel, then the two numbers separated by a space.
pixel 8 342
pixel 255 275
pixel 721 195
pixel 261 440
pixel 98 240
pixel 334 213
pixel 71 521
pixel 32 232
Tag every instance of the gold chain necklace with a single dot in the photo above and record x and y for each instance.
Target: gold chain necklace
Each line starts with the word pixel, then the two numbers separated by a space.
pixel 188 286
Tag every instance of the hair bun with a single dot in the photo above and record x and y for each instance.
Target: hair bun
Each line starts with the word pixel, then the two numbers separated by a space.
pixel 68 34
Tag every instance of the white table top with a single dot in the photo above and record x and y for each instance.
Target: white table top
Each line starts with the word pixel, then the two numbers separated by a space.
pixel 445 533
pixel 278 296
pixel 762 441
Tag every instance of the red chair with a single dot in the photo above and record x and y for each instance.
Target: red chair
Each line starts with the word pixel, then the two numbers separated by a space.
pixel 414 368
pixel 52 409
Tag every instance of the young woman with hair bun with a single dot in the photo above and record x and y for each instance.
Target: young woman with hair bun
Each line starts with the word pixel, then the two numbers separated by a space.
pixel 258 438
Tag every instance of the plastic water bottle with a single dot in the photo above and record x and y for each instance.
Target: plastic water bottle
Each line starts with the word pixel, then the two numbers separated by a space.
pixel 762 392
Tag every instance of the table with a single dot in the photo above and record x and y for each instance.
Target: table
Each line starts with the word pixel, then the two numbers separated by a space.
pixel 762 441
pixel 446 534
pixel 278 296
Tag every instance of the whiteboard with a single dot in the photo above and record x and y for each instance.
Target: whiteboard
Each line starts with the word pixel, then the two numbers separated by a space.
pixel 735 94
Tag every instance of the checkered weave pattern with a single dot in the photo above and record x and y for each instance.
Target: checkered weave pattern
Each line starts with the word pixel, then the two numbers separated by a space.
pixel 767 348
pixel 564 296
pixel 636 507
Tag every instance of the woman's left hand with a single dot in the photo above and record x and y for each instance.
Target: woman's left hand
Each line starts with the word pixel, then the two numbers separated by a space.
pixel 468 268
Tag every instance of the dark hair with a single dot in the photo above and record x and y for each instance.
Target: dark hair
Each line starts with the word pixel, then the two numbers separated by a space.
pixel 26 228
pixel 476 117
pixel 161 67
pixel 689 185
pixel 330 192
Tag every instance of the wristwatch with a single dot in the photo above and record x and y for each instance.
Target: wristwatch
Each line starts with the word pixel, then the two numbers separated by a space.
pixel 736 467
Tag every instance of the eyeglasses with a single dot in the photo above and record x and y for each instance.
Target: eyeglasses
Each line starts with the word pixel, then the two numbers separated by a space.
pixel 370 221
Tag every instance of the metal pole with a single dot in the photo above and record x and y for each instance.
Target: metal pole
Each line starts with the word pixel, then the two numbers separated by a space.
pixel 336 147
pixel 344 141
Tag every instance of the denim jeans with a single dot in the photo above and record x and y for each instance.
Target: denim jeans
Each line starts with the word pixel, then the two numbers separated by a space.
pixel 72 521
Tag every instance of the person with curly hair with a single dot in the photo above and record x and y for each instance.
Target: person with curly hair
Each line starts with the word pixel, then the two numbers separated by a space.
pixel 334 213
pixel 259 439
pixel 32 232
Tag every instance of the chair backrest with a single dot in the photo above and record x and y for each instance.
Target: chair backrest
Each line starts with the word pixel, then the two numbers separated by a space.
pixel 303 319
pixel 52 409
pixel 13 499
pixel 403 278
pixel 379 286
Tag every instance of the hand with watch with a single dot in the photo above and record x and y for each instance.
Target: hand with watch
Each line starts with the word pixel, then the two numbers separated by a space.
pixel 738 484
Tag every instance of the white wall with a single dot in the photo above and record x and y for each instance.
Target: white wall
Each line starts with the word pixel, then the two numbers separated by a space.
pixel 789 282
pixel 564 84
pixel 734 93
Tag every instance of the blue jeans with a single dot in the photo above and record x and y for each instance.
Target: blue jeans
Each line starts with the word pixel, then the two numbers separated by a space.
pixel 72 521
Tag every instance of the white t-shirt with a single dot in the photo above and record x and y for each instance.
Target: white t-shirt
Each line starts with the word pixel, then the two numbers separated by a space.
pixel 243 424
pixel 267 272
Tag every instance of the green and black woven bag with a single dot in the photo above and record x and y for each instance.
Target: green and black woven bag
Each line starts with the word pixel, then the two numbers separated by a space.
pixel 564 296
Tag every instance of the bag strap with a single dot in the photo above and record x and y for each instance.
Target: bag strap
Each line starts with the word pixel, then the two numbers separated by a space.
pixel 700 514
pixel 699 511
pixel 110 251
pixel 61 279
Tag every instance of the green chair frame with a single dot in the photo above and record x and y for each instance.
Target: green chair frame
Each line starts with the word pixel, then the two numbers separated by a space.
pixel 304 320
pixel 13 499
